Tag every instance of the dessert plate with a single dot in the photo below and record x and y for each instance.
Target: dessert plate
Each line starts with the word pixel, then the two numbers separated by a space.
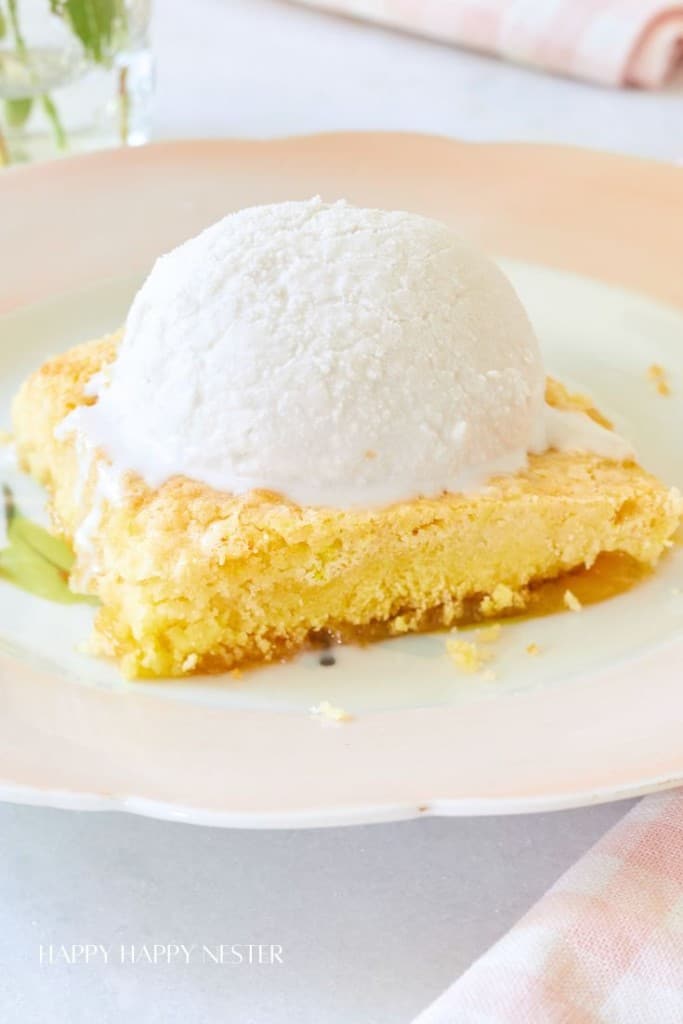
pixel 590 243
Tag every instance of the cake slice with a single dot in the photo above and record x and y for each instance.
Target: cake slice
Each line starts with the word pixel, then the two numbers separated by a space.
pixel 192 579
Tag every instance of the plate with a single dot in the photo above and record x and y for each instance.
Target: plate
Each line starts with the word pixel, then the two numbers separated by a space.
pixel 593 717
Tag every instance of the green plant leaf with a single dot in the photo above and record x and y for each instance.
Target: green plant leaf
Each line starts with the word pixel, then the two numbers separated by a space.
pixel 19 41
pixel 3 25
pixel 53 117
pixel 22 531
pixel 34 559
pixel 17 112
pixel 95 23
pixel 20 565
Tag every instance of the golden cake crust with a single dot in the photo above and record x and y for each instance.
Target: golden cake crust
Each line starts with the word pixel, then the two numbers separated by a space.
pixel 192 579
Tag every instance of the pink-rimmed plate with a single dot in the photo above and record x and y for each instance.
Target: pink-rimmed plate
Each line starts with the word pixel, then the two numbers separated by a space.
pixel 593 244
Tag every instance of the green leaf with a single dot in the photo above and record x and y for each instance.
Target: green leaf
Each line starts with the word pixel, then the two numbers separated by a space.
pixel 23 532
pixel 3 26
pixel 19 41
pixel 35 560
pixel 53 117
pixel 95 23
pixel 22 566
pixel 17 112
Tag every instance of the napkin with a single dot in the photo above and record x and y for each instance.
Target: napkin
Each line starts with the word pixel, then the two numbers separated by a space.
pixel 613 42
pixel 603 946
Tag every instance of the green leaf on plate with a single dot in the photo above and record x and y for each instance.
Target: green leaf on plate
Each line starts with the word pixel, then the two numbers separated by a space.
pixel 35 560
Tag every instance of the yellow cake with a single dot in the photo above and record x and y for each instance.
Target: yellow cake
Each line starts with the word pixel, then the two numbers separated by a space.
pixel 192 579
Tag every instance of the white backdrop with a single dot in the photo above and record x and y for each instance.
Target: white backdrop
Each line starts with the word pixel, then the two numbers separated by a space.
pixel 373 921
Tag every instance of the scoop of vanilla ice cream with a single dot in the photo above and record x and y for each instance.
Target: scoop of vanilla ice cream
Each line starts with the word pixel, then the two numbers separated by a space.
pixel 339 356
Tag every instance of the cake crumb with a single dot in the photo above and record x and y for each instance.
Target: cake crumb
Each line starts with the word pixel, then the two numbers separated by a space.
pixel 534 649
pixel 572 602
pixel 489 634
pixel 467 655
pixel 657 374
pixel 500 600
pixel 328 714
pixel 400 624
pixel 370 454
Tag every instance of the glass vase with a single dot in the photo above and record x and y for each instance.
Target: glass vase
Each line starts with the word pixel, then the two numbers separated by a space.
pixel 75 75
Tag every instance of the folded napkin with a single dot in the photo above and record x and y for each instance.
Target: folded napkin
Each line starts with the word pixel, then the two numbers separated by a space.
pixel 603 946
pixel 614 42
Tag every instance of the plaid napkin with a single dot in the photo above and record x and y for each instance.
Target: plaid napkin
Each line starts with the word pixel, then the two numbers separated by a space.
pixel 614 42
pixel 603 946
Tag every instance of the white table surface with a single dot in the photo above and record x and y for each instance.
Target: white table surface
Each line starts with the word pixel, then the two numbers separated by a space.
pixel 374 921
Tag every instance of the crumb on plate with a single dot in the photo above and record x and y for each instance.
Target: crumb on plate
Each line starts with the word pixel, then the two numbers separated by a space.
pixel 467 655
pixel 327 712
pixel 534 649
pixel 657 374
pixel 572 602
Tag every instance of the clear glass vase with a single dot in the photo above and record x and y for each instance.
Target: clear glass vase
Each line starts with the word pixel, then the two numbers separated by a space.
pixel 75 75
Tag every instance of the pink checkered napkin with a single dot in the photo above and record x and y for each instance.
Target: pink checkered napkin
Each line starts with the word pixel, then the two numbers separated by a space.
pixel 614 42
pixel 603 946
